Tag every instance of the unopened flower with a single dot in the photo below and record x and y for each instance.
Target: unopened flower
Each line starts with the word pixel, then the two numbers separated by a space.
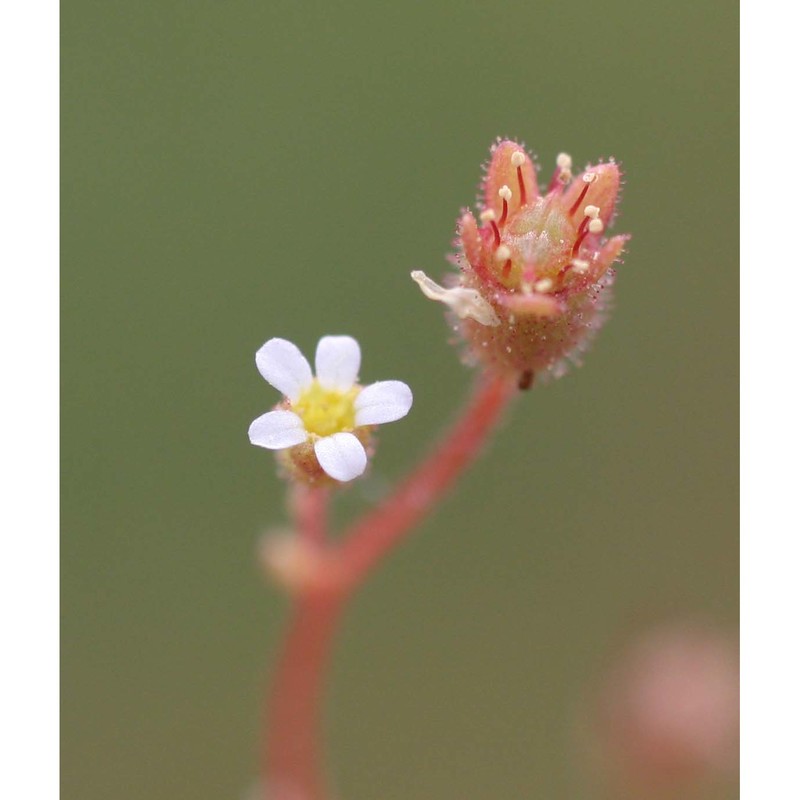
pixel 668 712
pixel 297 564
pixel 535 273
pixel 324 425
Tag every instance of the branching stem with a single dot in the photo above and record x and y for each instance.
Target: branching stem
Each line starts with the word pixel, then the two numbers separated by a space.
pixel 292 760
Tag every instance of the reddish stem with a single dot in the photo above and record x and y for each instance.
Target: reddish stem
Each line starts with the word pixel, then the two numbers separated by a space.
pixel 309 507
pixel 292 763
pixel 375 535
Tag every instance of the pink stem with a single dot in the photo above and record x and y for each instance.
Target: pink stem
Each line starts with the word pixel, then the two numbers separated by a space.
pixel 292 761
pixel 376 534
pixel 309 507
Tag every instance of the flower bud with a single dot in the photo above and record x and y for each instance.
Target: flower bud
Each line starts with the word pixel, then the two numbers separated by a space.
pixel 536 273
pixel 667 719
pixel 297 565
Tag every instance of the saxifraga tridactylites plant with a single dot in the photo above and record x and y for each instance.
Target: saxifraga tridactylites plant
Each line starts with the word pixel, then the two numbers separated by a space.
pixel 533 287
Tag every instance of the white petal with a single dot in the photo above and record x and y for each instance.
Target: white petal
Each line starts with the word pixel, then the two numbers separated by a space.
pixel 338 361
pixel 284 367
pixel 276 430
pixel 384 401
pixel 464 302
pixel 341 455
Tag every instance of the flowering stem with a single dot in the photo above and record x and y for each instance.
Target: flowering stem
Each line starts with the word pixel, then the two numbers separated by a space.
pixel 376 534
pixel 292 761
pixel 309 507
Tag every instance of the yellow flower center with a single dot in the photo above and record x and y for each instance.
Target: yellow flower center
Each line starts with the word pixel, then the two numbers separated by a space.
pixel 327 411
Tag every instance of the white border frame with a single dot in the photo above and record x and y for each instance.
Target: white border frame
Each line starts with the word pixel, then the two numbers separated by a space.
pixel 770 402
pixel 29 251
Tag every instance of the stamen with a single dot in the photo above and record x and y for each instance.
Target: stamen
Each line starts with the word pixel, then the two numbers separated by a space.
pixel 503 253
pixel 563 173
pixel 488 216
pixel 582 234
pixel 564 164
pixel 592 217
pixel 588 178
pixel 544 285
pixel 591 222
pixel 464 302
pixel 596 226
pixel 517 160
pixel 505 196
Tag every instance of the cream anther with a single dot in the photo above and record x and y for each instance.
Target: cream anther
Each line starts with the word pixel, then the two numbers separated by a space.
pixel 579 265
pixel 488 215
pixel 596 226
pixel 564 167
pixel 589 177
pixel 593 212
pixel 504 193
pixel 544 285
pixel 517 158
pixel 503 253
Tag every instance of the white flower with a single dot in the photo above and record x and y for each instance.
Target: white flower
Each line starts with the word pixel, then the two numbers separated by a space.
pixel 327 409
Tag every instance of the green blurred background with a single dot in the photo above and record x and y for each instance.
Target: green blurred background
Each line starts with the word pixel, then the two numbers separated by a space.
pixel 234 171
